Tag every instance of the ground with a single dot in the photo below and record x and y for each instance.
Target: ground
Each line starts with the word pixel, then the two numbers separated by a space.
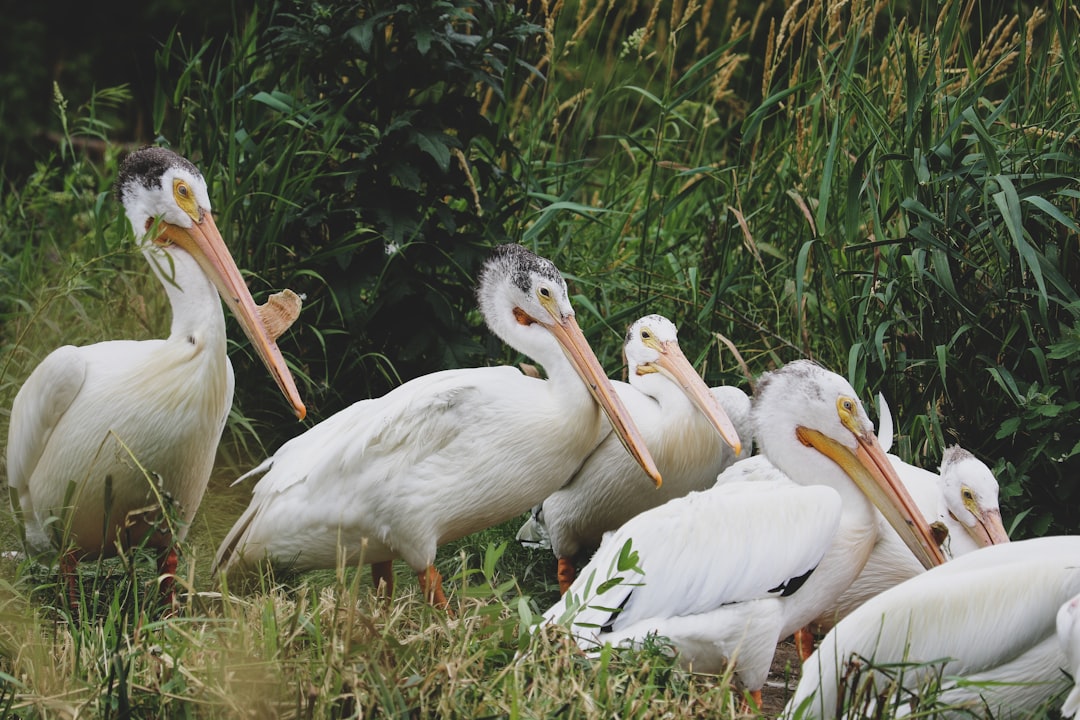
pixel 782 679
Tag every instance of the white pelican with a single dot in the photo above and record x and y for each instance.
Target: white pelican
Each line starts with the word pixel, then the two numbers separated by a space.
pixel 970 493
pixel 679 418
pixel 981 626
pixel 963 495
pixel 963 498
pixel 101 435
pixel 1068 632
pixel 728 572
pixel 444 455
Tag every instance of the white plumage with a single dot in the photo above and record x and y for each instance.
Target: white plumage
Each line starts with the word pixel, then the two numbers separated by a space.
pixel 684 425
pixel 985 623
pixel 964 488
pixel 969 493
pixel 443 455
pixel 962 495
pixel 100 434
pixel 1068 633
pixel 726 573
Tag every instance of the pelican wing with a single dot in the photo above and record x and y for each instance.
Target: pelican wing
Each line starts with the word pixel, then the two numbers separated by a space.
pixel 1068 631
pixel 708 549
pixel 41 402
pixel 366 452
pixel 986 616
pixel 409 423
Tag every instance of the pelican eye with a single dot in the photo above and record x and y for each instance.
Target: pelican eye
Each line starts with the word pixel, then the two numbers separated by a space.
pixel 185 198
pixel 649 340
pixel 544 291
pixel 968 495
pixel 848 411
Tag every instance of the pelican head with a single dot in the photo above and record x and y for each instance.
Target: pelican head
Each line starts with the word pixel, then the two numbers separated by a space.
pixel 829 418
pixel 166 200
pixel 971 494
pixel 524 300
pixel 652 350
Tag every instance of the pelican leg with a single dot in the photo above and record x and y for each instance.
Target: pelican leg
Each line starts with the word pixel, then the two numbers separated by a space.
pixel 69 563
pixel 382 576
pixel 753 705
pixel 166 566
pixel 431 586
pixel 566 573
pixel 804 642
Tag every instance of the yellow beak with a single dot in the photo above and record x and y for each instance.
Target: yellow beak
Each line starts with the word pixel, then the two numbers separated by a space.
pixel 576 347
pixel 203 241
pixel 988 528
pixel 871 470
pixel 673 364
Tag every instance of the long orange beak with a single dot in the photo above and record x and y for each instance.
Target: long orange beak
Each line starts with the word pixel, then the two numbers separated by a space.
pixel 204 242
pixel 576 347
pixel 673 364
pixel 871 470
pixel 988 528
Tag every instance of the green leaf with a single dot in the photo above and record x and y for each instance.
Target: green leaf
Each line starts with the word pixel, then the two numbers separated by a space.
pixel 942 353
pixel 989 148
pixel 277 101
pixel 1048 208
pixel 432 144
pixel 628 559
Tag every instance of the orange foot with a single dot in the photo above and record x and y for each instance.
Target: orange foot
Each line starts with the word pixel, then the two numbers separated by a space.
pixel 753 706
pixel 804 643
pixel 69 571
pixel 566 573
pixel 431 586
pixel 166 567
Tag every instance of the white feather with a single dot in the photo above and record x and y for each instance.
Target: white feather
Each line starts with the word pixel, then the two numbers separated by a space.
pixel 987 618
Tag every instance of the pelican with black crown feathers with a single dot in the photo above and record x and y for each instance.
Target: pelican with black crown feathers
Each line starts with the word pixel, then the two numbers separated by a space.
pixel 444 455
pixel 693 432
pixel 985 627
pixel 93 424
pixel 726 573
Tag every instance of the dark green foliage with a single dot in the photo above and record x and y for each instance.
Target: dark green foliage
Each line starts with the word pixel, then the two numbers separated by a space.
pixel 64 42
pixel 361 173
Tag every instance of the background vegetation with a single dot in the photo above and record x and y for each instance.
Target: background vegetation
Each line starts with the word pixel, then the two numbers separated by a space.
pixel 888 188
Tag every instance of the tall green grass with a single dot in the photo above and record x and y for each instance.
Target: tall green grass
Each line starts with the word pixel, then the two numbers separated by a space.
pixel 888 188
pixel 897 199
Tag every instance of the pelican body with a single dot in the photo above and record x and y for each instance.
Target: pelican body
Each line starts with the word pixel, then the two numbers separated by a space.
pixel 1068 632
pixel 984 626
pixel 443 455
pixel 103 435
pixel 726 573
pixel 693 433
pixel 962 496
